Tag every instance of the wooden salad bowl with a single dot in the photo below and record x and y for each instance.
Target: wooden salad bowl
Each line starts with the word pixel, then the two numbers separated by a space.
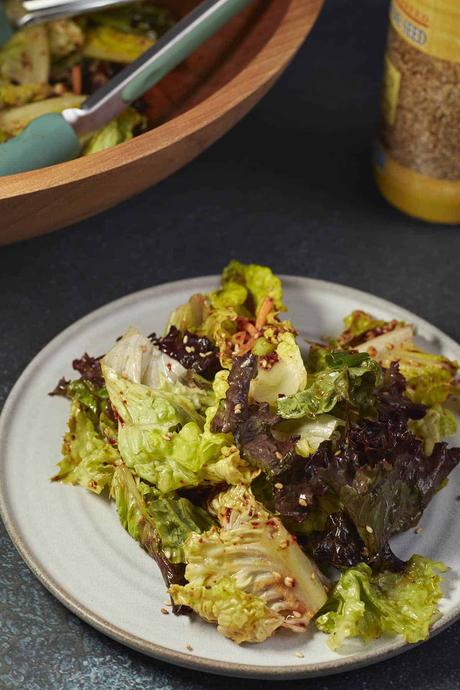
pixel 190 109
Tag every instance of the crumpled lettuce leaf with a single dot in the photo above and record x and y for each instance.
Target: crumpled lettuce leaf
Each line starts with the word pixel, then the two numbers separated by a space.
pixel 116 131
pixel 430 378
pixel 15 95
pixel 106 43
pixel 132 499
pixel 259 282
pixel 13 120
pixel 134 357
pixel 241 316
pixel 240 616
pixel 281 375
pixel 438 424
pixel 348 377
pixel 175 518
pixel 361 326
pixel 166 440
pixel 367 606
pixel 88 459
pixel 65 36
pixel 256 555
pixel 25 58
pixel 310 433
pixel 137 17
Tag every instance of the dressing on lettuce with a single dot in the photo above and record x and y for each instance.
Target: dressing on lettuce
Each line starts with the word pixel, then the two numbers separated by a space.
pixel 238 466
pixel 249 575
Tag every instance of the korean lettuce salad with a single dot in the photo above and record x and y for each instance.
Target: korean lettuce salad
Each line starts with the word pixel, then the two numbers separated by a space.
pixel 265 483
pixel 47 68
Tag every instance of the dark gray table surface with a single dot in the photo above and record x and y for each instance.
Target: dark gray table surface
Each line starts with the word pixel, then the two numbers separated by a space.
pixel 290 186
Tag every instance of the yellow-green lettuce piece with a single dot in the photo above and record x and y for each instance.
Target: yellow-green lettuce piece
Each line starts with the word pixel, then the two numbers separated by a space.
pixel 250 552
pixel 87 458
pixel 65 37
pixel 13 120
pixel 106 43
pixel 14 95
pixel 116 131
pixel 25 57
pixel 167 441
pixel 368 606
pixel 437 425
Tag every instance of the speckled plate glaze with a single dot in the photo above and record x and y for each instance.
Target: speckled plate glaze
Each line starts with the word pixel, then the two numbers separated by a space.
pixel 74 544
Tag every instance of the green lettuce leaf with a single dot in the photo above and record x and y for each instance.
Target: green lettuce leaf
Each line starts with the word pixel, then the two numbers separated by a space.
pixel 13 120
pixel 430 378
pixel 105 43
pixel 88 459
pixel 361 326
pixel 138 17
pixel 65 37
pixel 175 519
pixel 240 616
pixel 15 95
pixel 25 57
pixel 241 315
pixel 254 552
pixel 287 376
pixel 133 499
pixel 166 441
pixel 438 424
pixel 135 358
pixel 258 281
pixel 116 131
pixel 312 432
pixel 367 606
pixel 348 377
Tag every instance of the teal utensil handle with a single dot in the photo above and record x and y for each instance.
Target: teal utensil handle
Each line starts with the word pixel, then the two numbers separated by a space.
pixel 5 28
pixel 176 51
pixel 47 140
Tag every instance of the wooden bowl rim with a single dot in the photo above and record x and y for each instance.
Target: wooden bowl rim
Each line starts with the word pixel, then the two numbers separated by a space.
pixel 248 80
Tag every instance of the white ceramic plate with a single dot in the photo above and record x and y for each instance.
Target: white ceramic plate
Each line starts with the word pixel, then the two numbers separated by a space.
pixel 74 544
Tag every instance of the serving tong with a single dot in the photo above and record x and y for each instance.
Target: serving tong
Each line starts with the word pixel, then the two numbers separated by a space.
pixel 54 138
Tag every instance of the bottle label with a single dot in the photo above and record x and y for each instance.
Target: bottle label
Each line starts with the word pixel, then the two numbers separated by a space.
pixel 431 26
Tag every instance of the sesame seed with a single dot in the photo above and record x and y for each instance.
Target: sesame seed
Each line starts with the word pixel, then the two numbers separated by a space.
pixel 418 530
pixel 289 582
pixel 284 544
pixel 237 408
pixel 189 647
pixel 279 455
pixel 202 354
pixel 312 576
pixel 297 614
pixel 299 655
pixel 369 529
pixel 165 611
pixel 185 339
pixel 167 437
pixel 302 502
pixel 278 485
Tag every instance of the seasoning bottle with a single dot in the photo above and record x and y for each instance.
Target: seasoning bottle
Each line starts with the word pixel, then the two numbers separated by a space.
pixel 417 156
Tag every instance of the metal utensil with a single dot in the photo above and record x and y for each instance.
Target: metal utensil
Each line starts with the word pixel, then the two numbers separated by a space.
pixel 22 13
pixel 53 138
